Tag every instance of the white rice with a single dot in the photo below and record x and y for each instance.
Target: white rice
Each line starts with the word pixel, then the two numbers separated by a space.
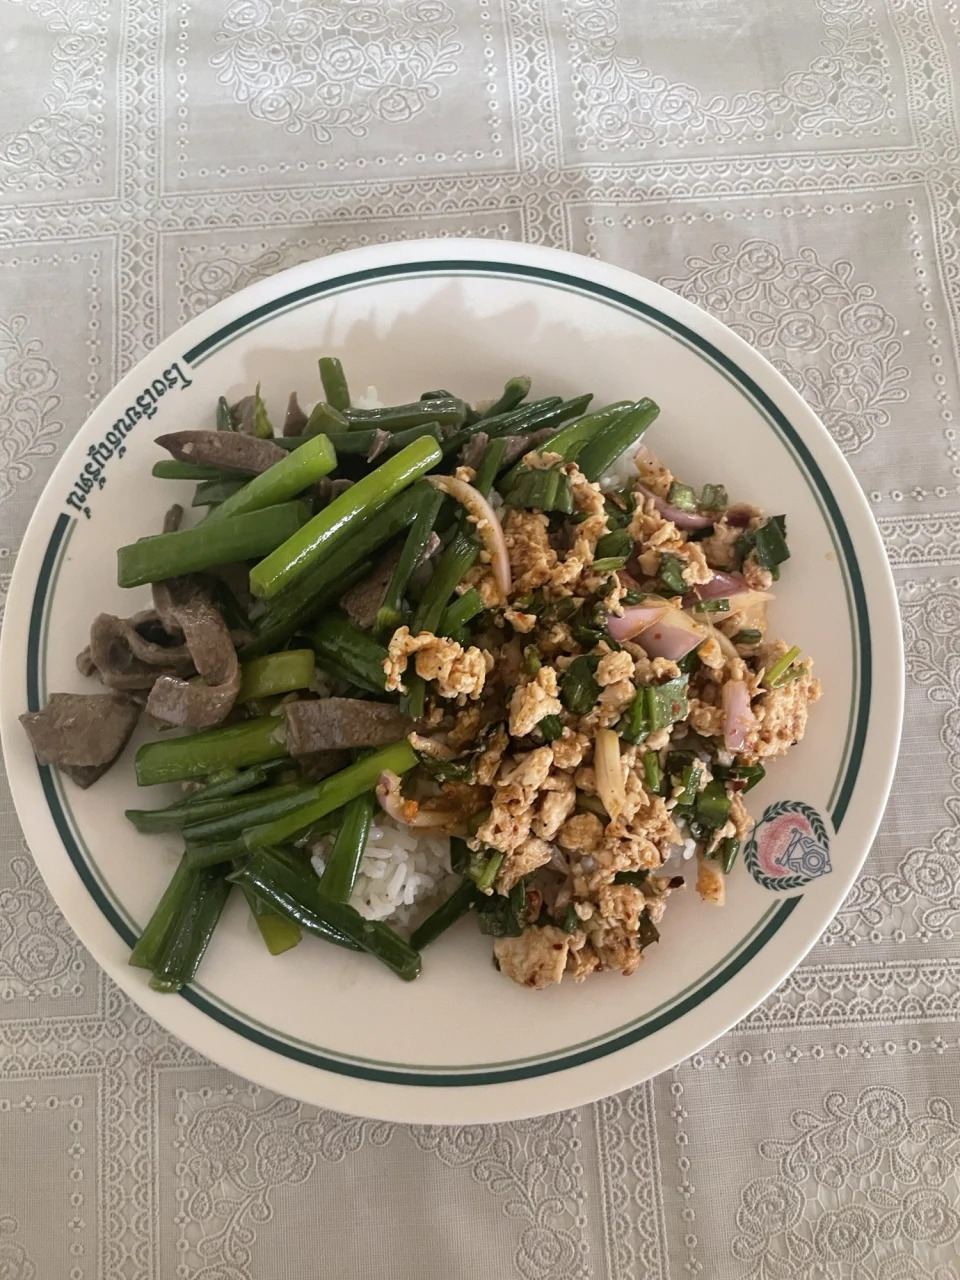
pixel 403 874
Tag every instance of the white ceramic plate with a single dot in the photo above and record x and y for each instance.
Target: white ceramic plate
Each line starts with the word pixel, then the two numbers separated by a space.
pixel 463 1044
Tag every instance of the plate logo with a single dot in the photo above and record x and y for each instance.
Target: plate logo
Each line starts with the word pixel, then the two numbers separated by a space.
pixel 789 846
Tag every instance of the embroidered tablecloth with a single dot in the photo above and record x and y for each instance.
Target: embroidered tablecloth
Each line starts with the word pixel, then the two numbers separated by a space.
pixel 793 168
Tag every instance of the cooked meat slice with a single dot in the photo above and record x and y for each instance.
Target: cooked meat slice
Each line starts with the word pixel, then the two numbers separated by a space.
pixel 81 733
pixel 471 455
pixel 362 601
pixel 186 603
pixel 295 419
pixel 320 764
pixel 173 518
pixel 129 653
pixel 334 723
pixel 231 450
pixel 327 489
pixel 537 958
pixel 517 446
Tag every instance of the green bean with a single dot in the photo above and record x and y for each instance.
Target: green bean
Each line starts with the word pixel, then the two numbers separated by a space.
pixel 340 873
pixel 446 413
pixel 168 555
pixel 390 615
pixel 276 673
pixel 447 914
pixel 281 482
pixel 334 383
pixel 211 492
pixel 600 453
pixel 515 390
pixel 279 933
pixel 149 945
pixel 170 469
pixel 334 792
pixel 264 806
pixel 338 640
pixel 176 817
pixel 187 941
pixel 342 517
pixel 323 417
pixel 236 746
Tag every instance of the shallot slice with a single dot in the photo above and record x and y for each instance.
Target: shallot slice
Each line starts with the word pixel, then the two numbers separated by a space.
pixel 673 636
pixel 635 617
pixel 489 529
pixel 682 519
pixel 739 722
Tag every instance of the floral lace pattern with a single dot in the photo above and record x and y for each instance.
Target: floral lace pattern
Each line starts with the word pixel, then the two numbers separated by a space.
pixel 623 103
pixel 826 333
pixel 329 68
pixel 29 404
pixel 59 145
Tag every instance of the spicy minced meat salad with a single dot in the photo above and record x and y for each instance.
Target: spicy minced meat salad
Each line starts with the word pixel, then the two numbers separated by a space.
pixel 437 658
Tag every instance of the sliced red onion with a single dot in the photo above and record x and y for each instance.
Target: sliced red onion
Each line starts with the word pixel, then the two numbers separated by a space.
pixel 672 637
pixel 739 722
pixel 635 617
pixel 720 587
pixel 489 529
pixel 682 519
pixel 410 813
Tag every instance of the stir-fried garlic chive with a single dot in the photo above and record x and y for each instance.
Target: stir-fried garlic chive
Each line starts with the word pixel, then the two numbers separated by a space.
pixel 340 873
pixel 244 537
pixel 343 516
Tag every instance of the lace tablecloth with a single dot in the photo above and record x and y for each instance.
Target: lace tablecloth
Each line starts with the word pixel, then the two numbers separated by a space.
pixel 793 168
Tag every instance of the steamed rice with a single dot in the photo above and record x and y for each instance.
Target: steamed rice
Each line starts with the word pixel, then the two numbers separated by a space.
pixel 403 874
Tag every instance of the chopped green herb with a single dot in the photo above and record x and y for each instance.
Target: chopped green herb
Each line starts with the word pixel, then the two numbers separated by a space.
pixel 571 920
pixel 634 597
pixel 609 564
pixel 713 497
pixel 550 727
pixel 778 673
pixel 618 543
pixel 712 606
pixel 487 873
pixel 768 543
pixel 727 851
pixel 651 771
pixel 634 878
pixel 750 636
pixel 682 497
pixel 670 574
pixel 647 932
pixel 749 773
pixel 690 781
pixel 531 660
pixel 579 691
pixel 712 805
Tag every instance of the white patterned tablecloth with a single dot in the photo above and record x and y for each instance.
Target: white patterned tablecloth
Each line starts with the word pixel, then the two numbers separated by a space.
pixel 795 169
